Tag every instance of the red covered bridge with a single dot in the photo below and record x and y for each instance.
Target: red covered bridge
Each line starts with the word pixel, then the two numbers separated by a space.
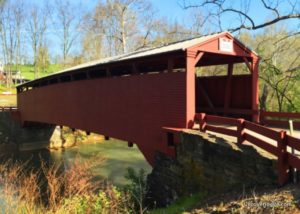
pixel 133 96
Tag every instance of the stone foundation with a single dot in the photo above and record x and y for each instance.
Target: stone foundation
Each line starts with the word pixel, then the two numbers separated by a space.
pixel 34 137
pixel 205 163
pixel 24 138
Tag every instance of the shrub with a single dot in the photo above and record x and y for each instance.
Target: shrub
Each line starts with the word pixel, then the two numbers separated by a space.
pixel 137 188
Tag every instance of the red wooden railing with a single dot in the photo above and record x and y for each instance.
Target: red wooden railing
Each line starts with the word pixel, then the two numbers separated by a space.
pixel 279 119
pixel 247 131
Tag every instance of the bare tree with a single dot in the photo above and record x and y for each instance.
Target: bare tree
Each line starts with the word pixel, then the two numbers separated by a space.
pixel 120 26
pixel 67 20
pixel 19 17
pixel 216 10
pixel 10 29
pixel 93 26
pixel 36 28
pixel 116 27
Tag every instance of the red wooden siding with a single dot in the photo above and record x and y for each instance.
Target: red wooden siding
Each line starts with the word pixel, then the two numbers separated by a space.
pixel 131 108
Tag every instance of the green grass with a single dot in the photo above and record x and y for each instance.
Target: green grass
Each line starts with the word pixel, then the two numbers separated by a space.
pixel 182 205
pixel 27 71
pixel 4 89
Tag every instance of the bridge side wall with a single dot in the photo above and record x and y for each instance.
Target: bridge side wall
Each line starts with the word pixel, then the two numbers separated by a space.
pixel 131 108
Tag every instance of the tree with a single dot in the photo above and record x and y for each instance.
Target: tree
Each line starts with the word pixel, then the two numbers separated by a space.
pixel 217 10
pixel 10 29
pixel 121 26
pixel 279 68
pixel 18 13
pixel 165 32
pixel 36 28
pixel 43 60
pixel 67 20
pixel 93 37
pixel 123 18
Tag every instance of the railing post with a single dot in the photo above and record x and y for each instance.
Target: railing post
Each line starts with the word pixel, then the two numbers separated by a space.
pixel 202 122
pixel 282 164
pixel 240 131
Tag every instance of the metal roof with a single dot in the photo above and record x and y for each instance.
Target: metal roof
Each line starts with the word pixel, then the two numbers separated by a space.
pixel 181 45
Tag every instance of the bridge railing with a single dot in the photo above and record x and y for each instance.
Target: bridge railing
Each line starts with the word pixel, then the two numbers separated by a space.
pixel 272 141
pixel 279 119
pixel 212 123
pixel 293 143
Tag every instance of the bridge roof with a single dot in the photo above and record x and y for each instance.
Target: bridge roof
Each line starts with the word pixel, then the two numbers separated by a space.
pixel 175 46
pixel 180 46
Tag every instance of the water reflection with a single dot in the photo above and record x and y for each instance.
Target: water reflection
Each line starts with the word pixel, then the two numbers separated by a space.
pixel 118 157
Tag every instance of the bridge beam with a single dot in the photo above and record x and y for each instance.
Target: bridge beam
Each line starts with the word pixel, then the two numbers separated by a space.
pixel 192 58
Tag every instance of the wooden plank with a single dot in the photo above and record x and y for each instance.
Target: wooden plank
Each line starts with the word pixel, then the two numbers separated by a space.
pixel 280 114
pixel 281 123
pixel 261 144
pixel 293 142
pixel 221 120
pixel 198 57
pixel 172 129
pixel 293 161
pixel 221 130
pixel 230 110
pixel 247 64
pixel 270 133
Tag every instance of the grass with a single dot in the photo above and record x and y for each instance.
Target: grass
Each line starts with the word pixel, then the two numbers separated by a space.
pixel 4 89
pixel 27 71
pixel 182 205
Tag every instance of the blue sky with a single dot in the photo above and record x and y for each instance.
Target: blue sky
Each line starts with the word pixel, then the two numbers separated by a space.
pixel 172 11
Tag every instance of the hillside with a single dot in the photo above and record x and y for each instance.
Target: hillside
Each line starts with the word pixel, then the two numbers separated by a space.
pixel 27 71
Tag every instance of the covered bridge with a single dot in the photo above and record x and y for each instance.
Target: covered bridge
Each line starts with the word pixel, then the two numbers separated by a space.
pixel 133 96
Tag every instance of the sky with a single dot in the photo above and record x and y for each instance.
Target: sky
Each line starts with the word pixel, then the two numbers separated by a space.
pixel 172 10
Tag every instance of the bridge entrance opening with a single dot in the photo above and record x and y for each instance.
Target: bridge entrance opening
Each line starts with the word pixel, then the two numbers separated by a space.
pixel 224 90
